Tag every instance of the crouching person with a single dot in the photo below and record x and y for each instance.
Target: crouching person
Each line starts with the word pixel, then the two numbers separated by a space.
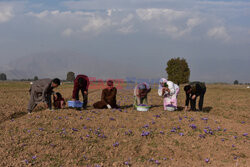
pixel 59 101
pixel 141 94
pixel 41 91
pixel 169 91
pixel 108 99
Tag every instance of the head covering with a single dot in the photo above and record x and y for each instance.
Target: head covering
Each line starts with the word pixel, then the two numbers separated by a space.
pixel 110 83
pixel 142 86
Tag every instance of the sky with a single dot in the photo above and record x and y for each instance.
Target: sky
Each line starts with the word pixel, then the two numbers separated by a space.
pixel 126 38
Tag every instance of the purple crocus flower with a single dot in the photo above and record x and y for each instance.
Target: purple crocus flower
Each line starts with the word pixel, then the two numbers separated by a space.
pixel 41 129
pixel 202 136
pixel 84 127
pixel 116 144
pixel 180 118
pixel 157 162
pixel 235 137
pixel 207 160
pixel 157 116
pixel 164 159
pixel 34 157
pixel 145 133
pixel 218 128
pixel 74 129
pixel 161 132
pixel 181 134
pixel 126 163
pixel 87 135
pixel 204 119
pixel 233 145
pixel 222 139
pixel 243 122
pixel 112 119
pixel 193 126
pixel 26 161
pixel 205 130
pixel 225 130
pixel 146 126
pixel 245 134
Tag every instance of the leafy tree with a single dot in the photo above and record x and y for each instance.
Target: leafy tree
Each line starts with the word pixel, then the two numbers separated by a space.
pixel 236 82
pixel 70 76
pixel 35 78
pixel 3 77
pixel 178 70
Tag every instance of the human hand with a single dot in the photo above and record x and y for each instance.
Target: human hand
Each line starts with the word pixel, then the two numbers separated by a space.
pixel 109 107
pixel 193 97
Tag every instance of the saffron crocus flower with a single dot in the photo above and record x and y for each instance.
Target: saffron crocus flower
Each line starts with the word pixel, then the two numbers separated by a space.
pixel 202 136
pixel 126 163
pixel 157 162
pixel 26 161
pixel 74 129
pixel 116 144
pixel 204 119
pixel 193 126
pixel 145 133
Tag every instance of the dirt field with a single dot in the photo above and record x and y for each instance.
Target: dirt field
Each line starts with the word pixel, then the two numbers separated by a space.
pixel 93 137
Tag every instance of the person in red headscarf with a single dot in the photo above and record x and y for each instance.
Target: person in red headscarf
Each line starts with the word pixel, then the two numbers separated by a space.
pixel 108 99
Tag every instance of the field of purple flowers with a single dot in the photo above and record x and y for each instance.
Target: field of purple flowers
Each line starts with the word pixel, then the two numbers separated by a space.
pixel 219 136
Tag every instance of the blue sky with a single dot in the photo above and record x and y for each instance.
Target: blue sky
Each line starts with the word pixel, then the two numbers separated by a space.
pixel 138 36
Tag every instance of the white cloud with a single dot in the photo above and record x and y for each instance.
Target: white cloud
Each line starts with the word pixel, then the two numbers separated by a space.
pixel 67 32
pixel 97 24
pixel 154 13
pixel 127 19
pixel 127 30
pixel 6 13
pixel 219 33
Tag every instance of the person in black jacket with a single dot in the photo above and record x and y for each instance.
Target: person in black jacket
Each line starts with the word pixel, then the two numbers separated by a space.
pixel 193 90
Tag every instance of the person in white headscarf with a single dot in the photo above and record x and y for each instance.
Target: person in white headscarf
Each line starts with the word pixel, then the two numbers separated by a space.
pixel 169 91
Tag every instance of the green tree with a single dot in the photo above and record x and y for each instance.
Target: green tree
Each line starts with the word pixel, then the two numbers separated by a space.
pixel 3 77
pixel 70 76
pixel 178 70
pixel 35 78
pixel 236 82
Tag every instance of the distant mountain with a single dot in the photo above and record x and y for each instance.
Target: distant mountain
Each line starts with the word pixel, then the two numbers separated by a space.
pixel 52 65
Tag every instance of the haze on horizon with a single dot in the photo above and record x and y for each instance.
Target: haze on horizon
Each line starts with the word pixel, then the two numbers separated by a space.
pixel 119 39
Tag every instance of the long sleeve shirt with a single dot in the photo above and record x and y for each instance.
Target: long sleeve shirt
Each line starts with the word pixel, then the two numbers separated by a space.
pixel 136 89
pixel 77 86
pixel 197 89
pixel 171 86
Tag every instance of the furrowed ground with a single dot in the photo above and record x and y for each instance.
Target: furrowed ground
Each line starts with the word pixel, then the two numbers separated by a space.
pixel 217 137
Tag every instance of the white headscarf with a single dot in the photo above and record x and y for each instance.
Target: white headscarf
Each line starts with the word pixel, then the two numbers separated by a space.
pixel 162 80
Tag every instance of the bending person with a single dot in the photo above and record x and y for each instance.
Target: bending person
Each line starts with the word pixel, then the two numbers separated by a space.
pixel 193 90
pixel 81 83
pixel 169 91
pixel 108 99
pixel 141 93
pixel 41 91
